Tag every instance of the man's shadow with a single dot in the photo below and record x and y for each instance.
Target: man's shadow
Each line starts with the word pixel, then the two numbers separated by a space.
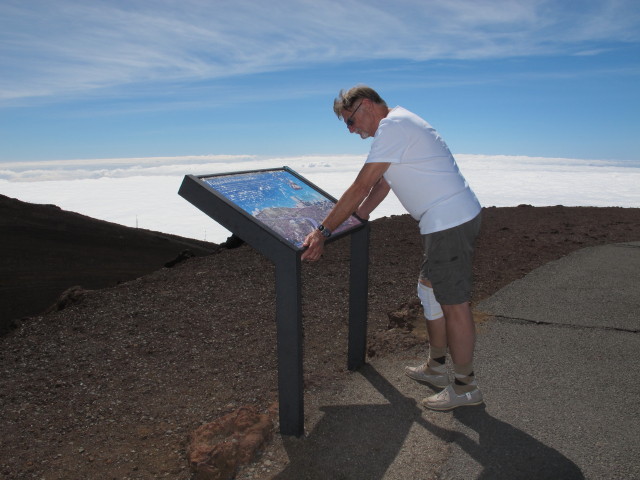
pixel 506 452
pixel 360 442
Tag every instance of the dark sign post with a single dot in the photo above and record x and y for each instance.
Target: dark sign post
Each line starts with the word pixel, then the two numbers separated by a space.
pixel 273 211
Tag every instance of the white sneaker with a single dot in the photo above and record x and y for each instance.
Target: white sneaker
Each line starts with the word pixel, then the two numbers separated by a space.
pixel 448 399
pixel 419 374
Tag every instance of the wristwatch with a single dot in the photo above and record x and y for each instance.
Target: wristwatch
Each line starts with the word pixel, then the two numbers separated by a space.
pixel 324 230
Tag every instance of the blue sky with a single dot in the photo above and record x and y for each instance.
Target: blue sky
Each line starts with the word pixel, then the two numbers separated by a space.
pixel 104 79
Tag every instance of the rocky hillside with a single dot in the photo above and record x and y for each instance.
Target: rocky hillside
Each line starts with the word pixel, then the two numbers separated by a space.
pixel 46 250
pixel 112 385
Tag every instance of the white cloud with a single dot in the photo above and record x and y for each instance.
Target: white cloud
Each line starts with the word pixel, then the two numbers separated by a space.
pixel 71 45
pixel 81 169
pixel 143 191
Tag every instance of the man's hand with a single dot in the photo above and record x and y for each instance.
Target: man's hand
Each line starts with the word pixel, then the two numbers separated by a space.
pixel 315 246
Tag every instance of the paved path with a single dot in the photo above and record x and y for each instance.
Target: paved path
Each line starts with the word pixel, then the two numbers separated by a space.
pixel 558 365
pixel 559 368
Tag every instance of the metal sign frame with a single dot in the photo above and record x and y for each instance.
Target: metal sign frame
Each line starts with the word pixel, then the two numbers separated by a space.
pixel 286 257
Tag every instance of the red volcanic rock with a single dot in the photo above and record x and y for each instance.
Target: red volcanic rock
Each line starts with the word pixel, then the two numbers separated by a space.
pixel 217 449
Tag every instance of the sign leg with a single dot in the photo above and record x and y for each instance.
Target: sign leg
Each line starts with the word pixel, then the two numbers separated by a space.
pixel 289 327
pixel 358 291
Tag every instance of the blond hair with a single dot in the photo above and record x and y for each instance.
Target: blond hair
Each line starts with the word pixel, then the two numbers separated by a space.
pixel 347 98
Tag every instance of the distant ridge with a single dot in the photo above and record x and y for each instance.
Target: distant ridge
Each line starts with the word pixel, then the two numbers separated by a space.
pixel 45 250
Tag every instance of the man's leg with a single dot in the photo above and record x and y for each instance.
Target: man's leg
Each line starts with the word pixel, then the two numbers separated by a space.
pixel 447 262
pixel 461 334
pixel 434 370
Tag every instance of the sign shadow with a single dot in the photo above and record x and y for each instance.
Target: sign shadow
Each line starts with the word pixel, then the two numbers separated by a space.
pixel 361 441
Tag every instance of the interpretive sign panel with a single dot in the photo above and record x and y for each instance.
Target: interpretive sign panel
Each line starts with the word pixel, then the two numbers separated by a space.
pixel 273 211
pixel 280 200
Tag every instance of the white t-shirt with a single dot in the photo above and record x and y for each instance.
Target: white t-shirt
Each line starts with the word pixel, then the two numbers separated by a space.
pixel 423 173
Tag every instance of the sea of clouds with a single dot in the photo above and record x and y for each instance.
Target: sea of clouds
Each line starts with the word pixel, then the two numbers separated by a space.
pixel 143 192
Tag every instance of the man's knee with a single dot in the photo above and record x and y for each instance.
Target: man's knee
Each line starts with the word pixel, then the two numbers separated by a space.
pixel 432 309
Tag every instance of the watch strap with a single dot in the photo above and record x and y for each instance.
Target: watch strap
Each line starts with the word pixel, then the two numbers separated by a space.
pixel 324 230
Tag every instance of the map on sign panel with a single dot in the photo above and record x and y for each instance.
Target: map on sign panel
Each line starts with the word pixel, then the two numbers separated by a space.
pixel 281 201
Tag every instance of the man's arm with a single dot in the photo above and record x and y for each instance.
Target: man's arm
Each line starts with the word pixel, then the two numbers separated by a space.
pixel 378 194
pixel 351 199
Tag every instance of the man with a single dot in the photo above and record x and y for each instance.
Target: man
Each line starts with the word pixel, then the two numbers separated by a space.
pixel 408 156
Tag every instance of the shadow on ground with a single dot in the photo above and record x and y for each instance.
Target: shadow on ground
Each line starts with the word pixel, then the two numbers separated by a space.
pixel 505 452
pixel 353 442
